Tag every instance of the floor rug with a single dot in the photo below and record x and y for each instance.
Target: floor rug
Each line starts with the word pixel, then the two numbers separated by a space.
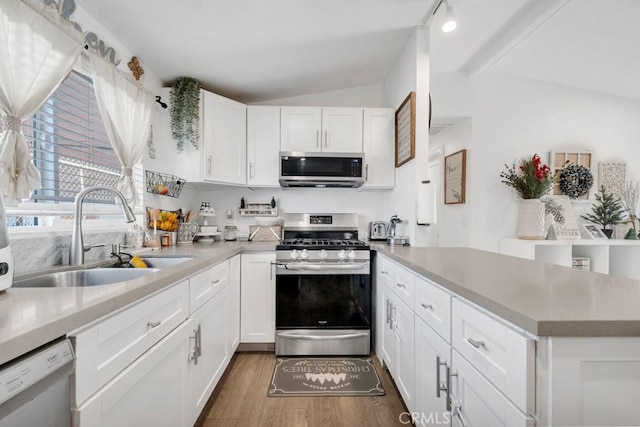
pixel 338 376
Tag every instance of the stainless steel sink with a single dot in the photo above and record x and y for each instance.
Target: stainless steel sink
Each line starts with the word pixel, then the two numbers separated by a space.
pixel 165 261
pixel 90 277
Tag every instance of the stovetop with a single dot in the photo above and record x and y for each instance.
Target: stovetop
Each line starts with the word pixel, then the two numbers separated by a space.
pixel 320 243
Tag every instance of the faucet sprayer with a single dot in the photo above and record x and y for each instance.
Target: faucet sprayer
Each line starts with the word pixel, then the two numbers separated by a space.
pixel 77 248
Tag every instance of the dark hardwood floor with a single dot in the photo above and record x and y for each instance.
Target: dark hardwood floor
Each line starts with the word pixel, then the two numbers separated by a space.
pixel 240 399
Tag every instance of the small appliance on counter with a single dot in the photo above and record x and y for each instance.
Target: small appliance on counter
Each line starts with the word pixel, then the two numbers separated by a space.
pixel 6 257
pixel 377 230
pixel 392 239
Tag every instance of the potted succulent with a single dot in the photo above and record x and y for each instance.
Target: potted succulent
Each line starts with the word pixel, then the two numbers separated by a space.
pixel 185 111
pixel 607 211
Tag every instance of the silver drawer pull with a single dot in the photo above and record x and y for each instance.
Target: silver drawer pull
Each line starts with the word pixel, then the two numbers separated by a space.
pixel 215 282
pixel 427 306
pixel 384 272
pixel 400 285
pixel 476 344
pixel 152 325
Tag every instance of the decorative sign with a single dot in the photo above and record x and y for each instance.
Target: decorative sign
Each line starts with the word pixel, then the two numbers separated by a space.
pixel 406 130
pixel 454 177
pixel 567 228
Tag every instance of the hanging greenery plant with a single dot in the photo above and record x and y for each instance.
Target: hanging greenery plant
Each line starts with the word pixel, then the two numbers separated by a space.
pixel 185 111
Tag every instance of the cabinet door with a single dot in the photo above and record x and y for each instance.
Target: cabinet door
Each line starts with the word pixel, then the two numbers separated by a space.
pixel 388 347
pixel 257 298
pixel 206 368
pixel 404 377
pixel 263 146
pixel 233 305
pixel 477 402
pixel 429 403
pixel 300 129
pixel 149 392
pixel 342 130
pixel 224 139
pixel 378 147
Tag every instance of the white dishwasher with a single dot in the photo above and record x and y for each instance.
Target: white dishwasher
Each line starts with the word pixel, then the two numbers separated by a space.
pixel 34 389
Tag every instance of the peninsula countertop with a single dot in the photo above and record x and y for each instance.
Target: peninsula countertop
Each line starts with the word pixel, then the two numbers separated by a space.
pixel 542 299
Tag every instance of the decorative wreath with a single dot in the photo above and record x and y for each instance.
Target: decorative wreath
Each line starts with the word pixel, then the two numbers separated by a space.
pixel 575 180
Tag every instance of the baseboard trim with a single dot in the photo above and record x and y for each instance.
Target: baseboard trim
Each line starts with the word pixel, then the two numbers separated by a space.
pixel 257 346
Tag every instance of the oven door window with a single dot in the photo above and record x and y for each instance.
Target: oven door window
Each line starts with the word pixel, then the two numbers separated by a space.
pixel 323 301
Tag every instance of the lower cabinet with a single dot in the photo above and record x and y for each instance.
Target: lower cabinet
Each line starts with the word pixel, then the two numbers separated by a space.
pixel 258 298
pixel 233 305
pixel 149 392
pixel 208 355
pixel 432 361
pixel 403 328
pixel 387 348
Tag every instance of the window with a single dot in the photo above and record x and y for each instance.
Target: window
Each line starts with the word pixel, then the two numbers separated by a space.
pixel 71 150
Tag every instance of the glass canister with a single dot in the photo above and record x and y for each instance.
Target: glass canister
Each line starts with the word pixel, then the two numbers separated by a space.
pixel 230 232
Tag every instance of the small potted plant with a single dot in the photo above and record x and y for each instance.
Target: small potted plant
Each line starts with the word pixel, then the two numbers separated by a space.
pixel 607 211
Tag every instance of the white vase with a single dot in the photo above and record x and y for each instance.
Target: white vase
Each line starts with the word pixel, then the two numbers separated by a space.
pixel 531 220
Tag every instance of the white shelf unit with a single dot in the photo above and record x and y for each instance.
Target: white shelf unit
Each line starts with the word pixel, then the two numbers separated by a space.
pixel 615 257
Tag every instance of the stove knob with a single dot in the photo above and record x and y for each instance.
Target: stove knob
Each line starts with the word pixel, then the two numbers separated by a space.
pixel 304 254
pixel 323 254
pixel 294 254
pixel 342 255
pixel 352 254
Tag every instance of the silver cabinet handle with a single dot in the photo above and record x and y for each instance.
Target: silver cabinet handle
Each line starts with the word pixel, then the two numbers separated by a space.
pixel 152 325
pixel 400 285
pixel 427 306
pixel 439 387
pixel 215 282
pixel 476 344
pixel 199 341
pixel 385 272
pixel 393 317
pixel 317 138
pixel 209 166
pixel 326 138
pixel 193 354
pixel 366 172
pixel 449 375
pixel 250 170
pixel 388 312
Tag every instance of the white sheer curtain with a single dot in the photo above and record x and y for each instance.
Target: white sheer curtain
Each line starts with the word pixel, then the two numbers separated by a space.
pixel 126 109
pixel 35 56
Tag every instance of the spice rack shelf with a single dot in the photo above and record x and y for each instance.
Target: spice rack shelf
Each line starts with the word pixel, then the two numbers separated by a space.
pixel 164 184
pixel 258 209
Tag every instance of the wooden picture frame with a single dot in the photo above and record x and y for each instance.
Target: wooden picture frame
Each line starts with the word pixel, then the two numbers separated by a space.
pixel 406 130
pixel 455 166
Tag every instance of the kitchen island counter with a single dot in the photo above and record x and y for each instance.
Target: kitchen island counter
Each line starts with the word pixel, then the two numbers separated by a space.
pixel 543 299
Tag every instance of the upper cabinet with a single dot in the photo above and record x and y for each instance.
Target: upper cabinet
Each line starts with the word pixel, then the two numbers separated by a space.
pixel 221 155
pixel 379 154
pixel 314 129
pixel 263 145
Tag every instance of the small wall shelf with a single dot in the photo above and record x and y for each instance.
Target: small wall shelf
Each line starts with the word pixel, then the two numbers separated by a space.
pixel 258 209
pixel 163 184
pixel 616 257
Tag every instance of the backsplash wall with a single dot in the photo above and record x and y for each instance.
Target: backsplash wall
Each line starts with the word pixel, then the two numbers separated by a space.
pixel 40 251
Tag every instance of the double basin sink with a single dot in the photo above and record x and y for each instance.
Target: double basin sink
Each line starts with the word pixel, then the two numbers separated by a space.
pixel 101 275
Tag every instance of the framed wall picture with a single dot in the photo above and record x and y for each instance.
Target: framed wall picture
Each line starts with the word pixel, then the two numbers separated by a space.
pixel 593 232
pixel 455 166
pixel 406 130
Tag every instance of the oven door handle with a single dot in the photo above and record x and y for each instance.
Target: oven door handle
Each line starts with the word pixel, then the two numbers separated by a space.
pixel 293 335
pixel 320 267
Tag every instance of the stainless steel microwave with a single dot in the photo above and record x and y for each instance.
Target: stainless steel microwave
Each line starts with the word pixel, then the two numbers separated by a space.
pixel 299 169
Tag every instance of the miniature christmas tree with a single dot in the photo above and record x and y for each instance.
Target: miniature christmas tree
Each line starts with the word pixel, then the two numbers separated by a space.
pixel 607 211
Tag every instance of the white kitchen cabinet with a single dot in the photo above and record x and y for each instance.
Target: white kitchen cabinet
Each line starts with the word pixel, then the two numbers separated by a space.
pixel 224 140
pixel 387 348
pixel 208 355
pixel 379 148
pixel 315 129
pixel 432 360
pixel 404 373
pixel 475 401
pixel 149 392
pixel 257 298
pixel 207 283
pixel 233 306
pixel 221 155
pixel 263 146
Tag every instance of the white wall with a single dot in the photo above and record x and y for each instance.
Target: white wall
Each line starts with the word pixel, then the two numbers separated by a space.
pixel 515 117
pixel 361 96
pixel 411 73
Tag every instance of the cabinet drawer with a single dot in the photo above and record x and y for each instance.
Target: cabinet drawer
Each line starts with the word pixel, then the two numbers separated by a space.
pixel 204 285
pixel 505 357
pixel 384 269
pixel 107 348
pixel 404 284
pixel 433 305
pixel 476 402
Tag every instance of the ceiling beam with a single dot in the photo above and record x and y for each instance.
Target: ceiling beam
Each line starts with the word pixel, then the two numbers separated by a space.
pixel 524 23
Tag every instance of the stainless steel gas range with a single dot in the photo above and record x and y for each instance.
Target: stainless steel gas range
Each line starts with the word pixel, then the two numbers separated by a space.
pixel 323 287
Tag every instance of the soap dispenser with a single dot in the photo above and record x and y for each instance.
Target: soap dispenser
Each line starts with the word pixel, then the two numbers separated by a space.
pixel 6 257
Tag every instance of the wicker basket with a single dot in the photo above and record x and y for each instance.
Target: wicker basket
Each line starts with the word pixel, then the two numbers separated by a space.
pixel 265 233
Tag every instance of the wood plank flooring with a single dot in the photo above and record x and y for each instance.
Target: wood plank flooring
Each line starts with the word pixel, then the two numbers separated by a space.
pixel 240 399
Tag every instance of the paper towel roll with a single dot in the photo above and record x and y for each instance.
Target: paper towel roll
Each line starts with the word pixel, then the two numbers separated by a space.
pixel 426 203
